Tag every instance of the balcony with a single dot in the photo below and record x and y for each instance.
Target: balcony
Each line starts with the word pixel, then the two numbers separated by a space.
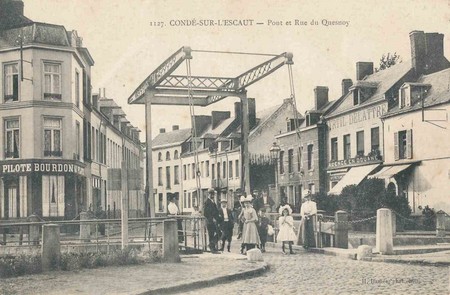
pixel 52 153
pixel 13 155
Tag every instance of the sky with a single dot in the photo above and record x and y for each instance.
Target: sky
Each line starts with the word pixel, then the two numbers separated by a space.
pixel 127 43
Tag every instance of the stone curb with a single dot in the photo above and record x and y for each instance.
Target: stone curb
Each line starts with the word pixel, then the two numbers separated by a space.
pixel 384 259
pixel 406 261
pixel 184 287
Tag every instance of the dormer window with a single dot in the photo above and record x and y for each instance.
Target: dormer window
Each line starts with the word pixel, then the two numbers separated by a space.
pixel 411 93
pixel 355 96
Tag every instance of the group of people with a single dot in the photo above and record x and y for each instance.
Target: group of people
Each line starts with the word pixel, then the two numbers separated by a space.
pixel 250 215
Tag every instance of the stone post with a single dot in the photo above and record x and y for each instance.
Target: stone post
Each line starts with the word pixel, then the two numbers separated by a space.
pixel 170 241
pixel 440 224
pixel 34 231
pixel 51 249
pixel 341 227
pixel 394 223
pixel 85 227
pixel 384 237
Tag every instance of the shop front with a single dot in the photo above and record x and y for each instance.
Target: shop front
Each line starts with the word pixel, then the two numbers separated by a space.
pixel 54 190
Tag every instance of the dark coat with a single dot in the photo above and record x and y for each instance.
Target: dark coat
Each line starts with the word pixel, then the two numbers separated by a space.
pixel 210 211
pixel 230 216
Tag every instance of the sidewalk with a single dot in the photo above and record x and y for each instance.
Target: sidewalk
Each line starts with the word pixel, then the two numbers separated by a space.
pixel 193 271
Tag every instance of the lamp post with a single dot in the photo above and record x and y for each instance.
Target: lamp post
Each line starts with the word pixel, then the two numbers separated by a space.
pixel 274 154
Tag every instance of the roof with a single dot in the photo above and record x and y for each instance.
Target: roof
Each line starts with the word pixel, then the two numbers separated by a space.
pixel 40 33
pixel 384 80
pixel 171 138
pixel 438 93
pixel 213 133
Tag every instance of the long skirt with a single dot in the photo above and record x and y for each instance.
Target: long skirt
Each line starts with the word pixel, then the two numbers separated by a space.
pixel 310 241
pixel 250 234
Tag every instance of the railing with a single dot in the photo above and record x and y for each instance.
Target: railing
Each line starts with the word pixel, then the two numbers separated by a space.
pixel 100 235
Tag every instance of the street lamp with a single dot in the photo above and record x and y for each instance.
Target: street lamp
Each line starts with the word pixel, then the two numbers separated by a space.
pixel 274 154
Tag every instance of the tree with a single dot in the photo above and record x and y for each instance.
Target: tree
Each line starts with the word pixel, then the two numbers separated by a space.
pixel 388 60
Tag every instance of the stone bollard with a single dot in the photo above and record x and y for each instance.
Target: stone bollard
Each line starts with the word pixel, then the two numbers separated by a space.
pixel 85 227
pixel 34 231
pixel 254 255
pixel 364 251
pixel 51 249
pixel 341 227
pixel 170 241
pixel 384 237
pixel 440 224
pixel 394 224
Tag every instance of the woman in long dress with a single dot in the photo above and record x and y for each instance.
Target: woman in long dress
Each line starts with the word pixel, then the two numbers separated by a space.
pixel 286 225
pixel 250 236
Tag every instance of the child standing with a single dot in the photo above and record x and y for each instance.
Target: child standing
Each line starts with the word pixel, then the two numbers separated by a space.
pixel 263 226
pixel 286 226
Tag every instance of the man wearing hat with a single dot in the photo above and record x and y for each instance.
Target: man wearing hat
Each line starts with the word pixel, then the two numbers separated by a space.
pixel 308 213
pixel 212 218
pixel 226 223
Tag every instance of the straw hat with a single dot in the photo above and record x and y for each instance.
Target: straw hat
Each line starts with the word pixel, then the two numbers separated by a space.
pixel 285 207
pixel 223 200
pixel 242 199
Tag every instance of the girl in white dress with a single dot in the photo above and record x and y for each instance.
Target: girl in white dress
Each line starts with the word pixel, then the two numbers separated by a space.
pixel 286 226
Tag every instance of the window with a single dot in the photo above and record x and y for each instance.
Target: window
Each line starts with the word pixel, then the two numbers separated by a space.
pixel 347 147
pixel 175 155
pixel 77 89
pixel 193 171
pixel 11 82
pixel 167 177
pixel 160 202
pixel 52 137
pixel 300 158
pixel 184 172
pixel 310 156
pixel 281 162
pixel 291 161
pixel 207 168
pixel 52 81
pixel 188 171
pixel 167 156
pixel 52 195
pixel 237 167
pixel 218 170
pixel 78 139
pixel 230 169
pixel 160 182
pixel 224 169
pixel 403 144
pixel 375 138
pixel 159 156
pixel 334 149
pixel 355 96
pixel 12 138
pixel 360 143
pixel 176 176
pixel 213 171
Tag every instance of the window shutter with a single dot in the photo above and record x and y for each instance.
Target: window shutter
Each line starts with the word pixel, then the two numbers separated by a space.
pixel 396 151
pixel 409 144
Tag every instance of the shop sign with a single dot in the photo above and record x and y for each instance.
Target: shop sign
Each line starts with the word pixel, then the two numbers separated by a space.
pixel 42 167
pixel 357 117
pixel 353 161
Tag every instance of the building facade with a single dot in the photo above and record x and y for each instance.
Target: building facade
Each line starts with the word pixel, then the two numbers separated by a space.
pixel 54 162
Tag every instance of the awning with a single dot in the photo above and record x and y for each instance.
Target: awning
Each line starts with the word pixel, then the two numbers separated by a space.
pixel 354 176
pixel 389 171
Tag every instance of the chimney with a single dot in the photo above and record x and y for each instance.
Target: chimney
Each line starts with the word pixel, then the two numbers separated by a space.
pixel 320 97
pixel 346 84
pixel 218 117
pixel 175 127
pixel 162 130
pixel 418 51
pixel 238 110
pixel 434 59
pixel 363 68
pixel 251 113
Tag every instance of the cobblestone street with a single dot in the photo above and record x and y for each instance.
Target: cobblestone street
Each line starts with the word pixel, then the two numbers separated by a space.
pixel 307 273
